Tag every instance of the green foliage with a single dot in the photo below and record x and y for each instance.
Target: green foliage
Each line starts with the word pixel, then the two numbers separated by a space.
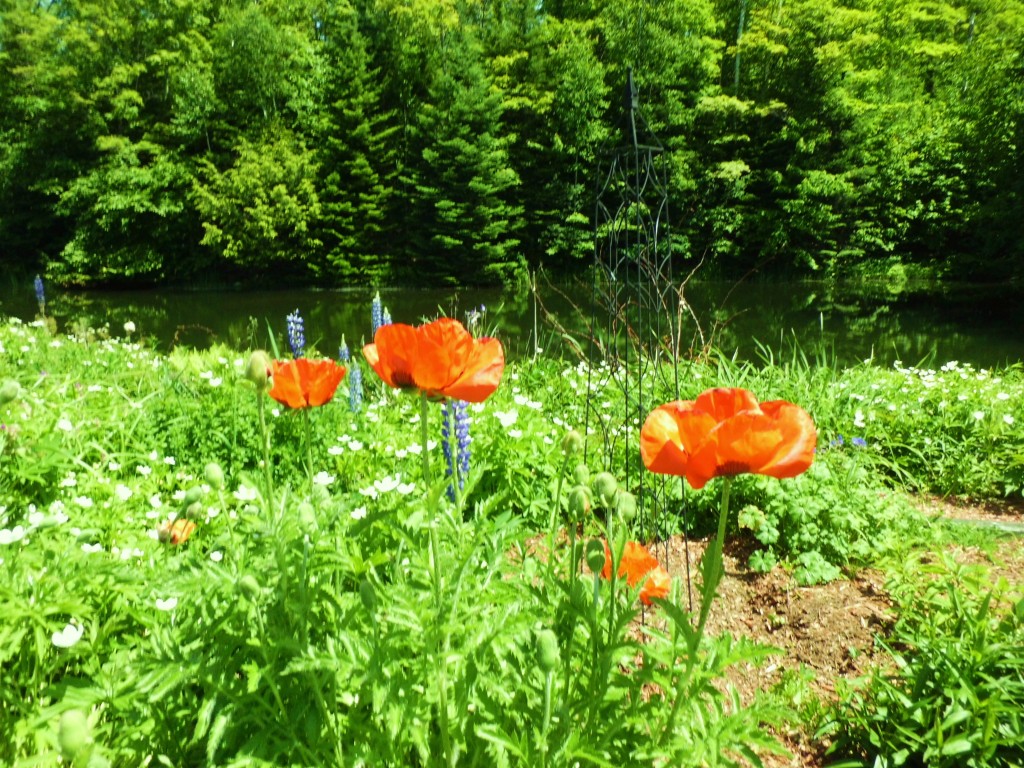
pixel 955 694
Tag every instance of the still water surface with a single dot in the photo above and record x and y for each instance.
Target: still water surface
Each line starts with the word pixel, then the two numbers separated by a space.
pixel 981 325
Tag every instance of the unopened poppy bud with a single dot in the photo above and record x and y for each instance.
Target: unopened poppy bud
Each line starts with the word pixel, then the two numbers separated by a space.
pixel 579 502
pixel 368 594
pixel 595 555
pixel 193 494
pixel 548 656
pixel 249 587
pixel 258 370
pixel 307 517
pixel 625 505
pixel 73 733
pixel 9 390
pixel 581 475
pixel 605 486
pixel 572 443
pixel 214 475
pixel 195 511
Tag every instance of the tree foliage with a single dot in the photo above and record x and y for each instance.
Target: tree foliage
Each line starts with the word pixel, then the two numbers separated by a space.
pixel 458 140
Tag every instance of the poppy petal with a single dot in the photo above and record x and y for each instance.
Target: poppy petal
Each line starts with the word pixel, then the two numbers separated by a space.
pixel 482 374
pixel 671 433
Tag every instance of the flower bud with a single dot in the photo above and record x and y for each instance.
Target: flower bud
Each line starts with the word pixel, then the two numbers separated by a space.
pixel 73 733
pixel 605 486
pixel 625 505
pixel 572 443
pixel 258 370
pixel 193 494
pixel 214 475
pixel 579 502
pixel 581 475
pixel 9 390
pixel 548 656
pixel 195 511
pixel 595 555
pixel 249 587
pixel 307 517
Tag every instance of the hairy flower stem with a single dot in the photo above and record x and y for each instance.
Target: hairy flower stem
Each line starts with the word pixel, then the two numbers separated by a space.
pixel 549 679
pixel 711 567
pixel 433 563
pixel 268 475
pixel 551 522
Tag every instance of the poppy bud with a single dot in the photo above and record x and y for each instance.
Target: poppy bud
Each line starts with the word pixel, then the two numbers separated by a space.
pixel 9 390
pixel 307 517
pixel 193 494
pixel 605 486
pixel 548 656
pixel 258 370
pixel 249 587
pixel 368 594
pixel 73 733
pixel 572 443
pixel 595 555
pixel 581 475
pixel 579 502
pixel 625 505
pixel 195 511
pixel 214 475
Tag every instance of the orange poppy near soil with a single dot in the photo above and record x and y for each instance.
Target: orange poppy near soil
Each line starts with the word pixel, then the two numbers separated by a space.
pixel 303 383
pixel 637 564
pixel 176 531
pixel 441 359
pixel 725 432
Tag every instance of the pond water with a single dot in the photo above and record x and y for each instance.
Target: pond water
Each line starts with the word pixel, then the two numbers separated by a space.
pixel 981 325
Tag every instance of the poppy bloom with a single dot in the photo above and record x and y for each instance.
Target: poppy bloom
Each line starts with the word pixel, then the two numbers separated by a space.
pixel 176 531
pixel 302 383
pixel 441 359
pixel 726 432
pixel 638 564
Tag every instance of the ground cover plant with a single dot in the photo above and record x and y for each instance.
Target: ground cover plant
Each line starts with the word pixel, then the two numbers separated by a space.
pixel 231 557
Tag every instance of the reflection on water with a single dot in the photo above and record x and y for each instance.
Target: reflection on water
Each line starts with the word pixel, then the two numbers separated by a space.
pixel 982 325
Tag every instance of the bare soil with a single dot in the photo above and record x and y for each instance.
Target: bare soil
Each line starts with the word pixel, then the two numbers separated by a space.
pixel 828 629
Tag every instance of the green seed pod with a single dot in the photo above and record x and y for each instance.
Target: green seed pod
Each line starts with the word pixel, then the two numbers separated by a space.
pixel 579 502
pixel 595 556
pixel 548 656
pixel 258 370
pixel 249 587
pixel 368 594
pixel 605 485
pixel 581 475
pixel 572 443
pixel 625 505
pixel 73 733
pixel 195 511
pixel 9 390
pixel 193 494
pixel 214 475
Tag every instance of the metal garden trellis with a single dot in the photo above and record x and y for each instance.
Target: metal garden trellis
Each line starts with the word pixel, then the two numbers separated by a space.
pixel 635 328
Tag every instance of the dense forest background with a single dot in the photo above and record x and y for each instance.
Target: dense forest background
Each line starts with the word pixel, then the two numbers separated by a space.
pixel 392 141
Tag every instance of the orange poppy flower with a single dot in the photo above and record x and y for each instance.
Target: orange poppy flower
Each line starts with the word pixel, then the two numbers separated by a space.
pixel 176 531
pixel 638 564
pixel 302 383
pixel 441 359
pixel 726 432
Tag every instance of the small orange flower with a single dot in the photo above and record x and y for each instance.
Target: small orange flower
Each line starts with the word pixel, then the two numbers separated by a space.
pixel 638 564
pixel 176 531
pixel 304 383
pixel 726 432
pixel 441 359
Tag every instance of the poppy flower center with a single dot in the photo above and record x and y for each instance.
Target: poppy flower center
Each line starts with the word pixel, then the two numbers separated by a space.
pixel 733 467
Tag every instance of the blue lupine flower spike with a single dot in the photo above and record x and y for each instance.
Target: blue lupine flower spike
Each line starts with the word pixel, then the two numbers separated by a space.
pixel 355 388
pixel 344 355
pixel 40 295
pixel 296 334
pixel 376 314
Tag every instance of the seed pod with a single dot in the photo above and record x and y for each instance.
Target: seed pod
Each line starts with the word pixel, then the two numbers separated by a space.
pixel 581 475
pixel 193 494
pixel 9 390
pixel 368 594
pixel 625 505
pixel 605 486
pixel 579 502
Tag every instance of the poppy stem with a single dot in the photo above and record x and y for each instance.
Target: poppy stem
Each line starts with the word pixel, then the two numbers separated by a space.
pixel 309 448
pixel 268 475
pixel 425 437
